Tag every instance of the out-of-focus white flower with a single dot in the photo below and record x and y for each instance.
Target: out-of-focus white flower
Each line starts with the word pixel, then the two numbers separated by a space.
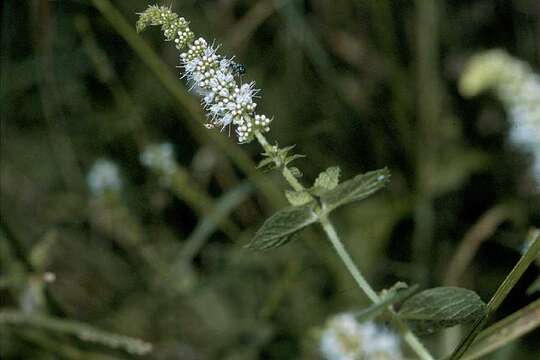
pixel 228 102
pixel 104 176
pixel 517 86
pixel 344 338
pixel 160 158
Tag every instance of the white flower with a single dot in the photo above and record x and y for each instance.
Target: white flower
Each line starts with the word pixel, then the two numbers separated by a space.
pixel 518 87
pixel 160 158
pixel 103 176
pixel 226 101
pixel 344 338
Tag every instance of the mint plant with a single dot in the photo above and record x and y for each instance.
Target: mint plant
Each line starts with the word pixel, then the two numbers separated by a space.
pixel 230 106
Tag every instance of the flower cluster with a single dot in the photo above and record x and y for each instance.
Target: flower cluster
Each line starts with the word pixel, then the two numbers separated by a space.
pixel 174 27
pixel 517 86
pixel 226 100
pixel 160 158
pixel 344 338
pixel 104 176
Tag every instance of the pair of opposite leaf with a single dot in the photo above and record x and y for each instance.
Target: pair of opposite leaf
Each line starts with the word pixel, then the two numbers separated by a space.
pixel 309 205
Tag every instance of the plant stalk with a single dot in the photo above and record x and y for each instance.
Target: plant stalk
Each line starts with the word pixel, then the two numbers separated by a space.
pixel 285 171
pixel 362 283
pixel 501 293
pixel 344 256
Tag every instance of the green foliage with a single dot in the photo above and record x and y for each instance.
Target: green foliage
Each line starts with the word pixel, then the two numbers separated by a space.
pixel 394 295
pixel 167 266
pixel 327 180
pixel 280 227
pixel 355 189
pixel 297 198
pixel 442 307
pixel 275 158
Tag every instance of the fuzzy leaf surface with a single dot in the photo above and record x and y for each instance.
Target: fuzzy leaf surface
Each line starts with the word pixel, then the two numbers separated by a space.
pixel 441 307
pixel 297 198
pixel 280 227
pixel 328 179
pixel 356 189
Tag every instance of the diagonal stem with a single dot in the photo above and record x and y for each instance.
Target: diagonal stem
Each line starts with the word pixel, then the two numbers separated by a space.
pixel 362 283
pixel 501 293
pixel 343 254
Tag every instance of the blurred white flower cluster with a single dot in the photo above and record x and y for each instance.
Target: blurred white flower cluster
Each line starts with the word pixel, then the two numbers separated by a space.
pixel 104 176
pixel 517 86
pixel 160 159
pixel 344 338
pixel 211 76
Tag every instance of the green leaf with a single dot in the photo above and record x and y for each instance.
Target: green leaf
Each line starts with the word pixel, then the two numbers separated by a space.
pixel 297 198
pixel 328 179
pixel 266 162
pixel 441 307
pixel 278 229
pixel 293 157
pixel 389 297
pixel 355 189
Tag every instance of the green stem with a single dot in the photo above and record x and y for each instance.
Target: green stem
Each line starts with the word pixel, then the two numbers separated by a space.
pixel 362 283
pixel 286 172
pixel 345 257
pixel 501 293
pixel 343 254
pixel 428 128
pixel 508 329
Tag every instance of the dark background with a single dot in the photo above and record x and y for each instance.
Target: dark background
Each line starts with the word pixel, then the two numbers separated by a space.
pixel 359 84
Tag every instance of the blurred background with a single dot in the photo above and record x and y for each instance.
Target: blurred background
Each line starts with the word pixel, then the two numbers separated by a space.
pixel 94 237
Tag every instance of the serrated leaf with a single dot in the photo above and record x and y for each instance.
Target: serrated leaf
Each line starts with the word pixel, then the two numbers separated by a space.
pixel 355 189
pixel 441 307
pixel 278 229
pixel 328 179
pixel 298 198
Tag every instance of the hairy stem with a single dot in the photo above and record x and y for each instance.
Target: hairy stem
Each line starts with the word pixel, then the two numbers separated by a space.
pixel 344 256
